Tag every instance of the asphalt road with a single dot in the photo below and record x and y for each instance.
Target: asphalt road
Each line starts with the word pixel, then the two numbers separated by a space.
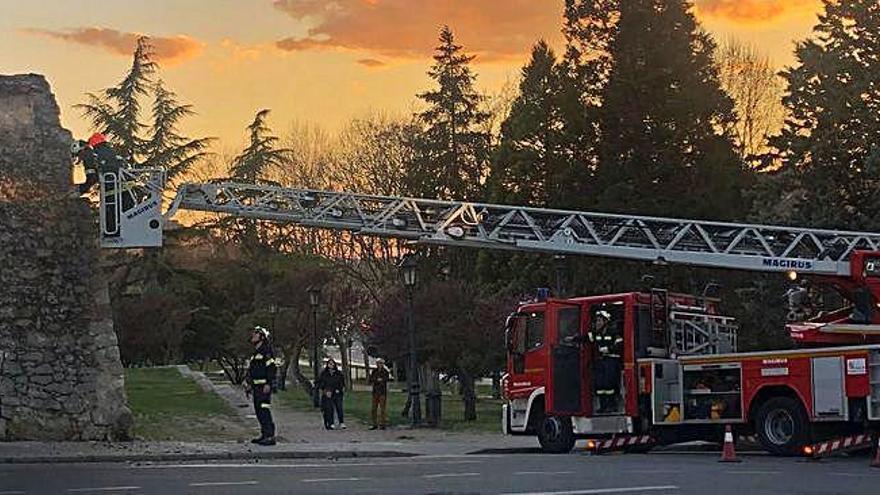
pixel 492 474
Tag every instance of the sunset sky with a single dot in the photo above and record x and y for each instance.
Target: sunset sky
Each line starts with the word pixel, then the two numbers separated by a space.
pixel 320 61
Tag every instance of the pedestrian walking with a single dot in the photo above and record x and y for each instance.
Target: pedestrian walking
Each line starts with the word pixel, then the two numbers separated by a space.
pixel 261 384
pixel 331 383
pixel 378 409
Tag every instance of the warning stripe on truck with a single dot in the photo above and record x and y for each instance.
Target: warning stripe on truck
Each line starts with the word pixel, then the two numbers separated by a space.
pixel 599 446
pixel 838 445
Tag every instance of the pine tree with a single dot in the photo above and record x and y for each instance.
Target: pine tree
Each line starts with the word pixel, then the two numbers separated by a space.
pixel 663 151
pixel 166 147
pixel 116 111
pixel 828 149
pixel 153 141
pixel 452 151
pixel 527 166
pixel 262 153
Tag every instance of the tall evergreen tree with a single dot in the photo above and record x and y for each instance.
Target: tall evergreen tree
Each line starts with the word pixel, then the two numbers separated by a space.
pixel 262 153
pixel 166 147
pixel 527 166
pixel 116 111
pixel 154 140
pixel 590 27
pixel 452 151
pixel 830 145
pixel 663 111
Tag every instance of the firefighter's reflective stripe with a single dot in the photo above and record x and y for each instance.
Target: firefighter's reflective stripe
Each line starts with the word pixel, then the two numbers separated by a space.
pixel 266 405
pixel 257 356
pixel 260 382
pixel 605 392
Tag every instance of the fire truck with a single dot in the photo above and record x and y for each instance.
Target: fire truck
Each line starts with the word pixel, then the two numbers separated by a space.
pixel 676 375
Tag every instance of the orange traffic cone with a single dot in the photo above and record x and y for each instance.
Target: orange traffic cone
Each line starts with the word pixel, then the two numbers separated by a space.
pixel 876 462
pixel 729 453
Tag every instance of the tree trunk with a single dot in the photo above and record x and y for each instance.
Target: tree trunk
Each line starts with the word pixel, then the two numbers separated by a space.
pixel 344 345
pixel 496 384
pixel 304 382
pixel 468 395
pixel 282 373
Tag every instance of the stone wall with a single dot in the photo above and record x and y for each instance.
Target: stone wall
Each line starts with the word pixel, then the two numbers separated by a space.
pixel 60 376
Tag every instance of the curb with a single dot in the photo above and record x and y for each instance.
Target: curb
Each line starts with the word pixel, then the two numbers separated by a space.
pixel 219 456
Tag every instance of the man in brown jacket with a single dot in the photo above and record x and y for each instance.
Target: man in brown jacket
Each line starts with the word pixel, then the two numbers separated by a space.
pixel 379 380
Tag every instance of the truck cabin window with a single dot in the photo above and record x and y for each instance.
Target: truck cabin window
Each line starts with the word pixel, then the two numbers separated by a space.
pixel 569 325
pixel 534 330
pixel 515 333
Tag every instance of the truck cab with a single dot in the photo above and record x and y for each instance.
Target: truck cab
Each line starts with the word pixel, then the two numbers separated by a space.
pixel 570 375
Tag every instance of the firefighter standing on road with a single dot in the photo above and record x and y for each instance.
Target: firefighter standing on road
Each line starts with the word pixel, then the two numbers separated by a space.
pixel 261 382
pixel 609 343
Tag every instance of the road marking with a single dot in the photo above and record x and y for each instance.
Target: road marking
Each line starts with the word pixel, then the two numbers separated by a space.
pixel 853 475
pixel 105 489
pixel 603 490
pixel 529 473
pixel 449 475
pixel 11 493
pixel 752 472
pixel 333 465
pixel 327 480
pixel 225 483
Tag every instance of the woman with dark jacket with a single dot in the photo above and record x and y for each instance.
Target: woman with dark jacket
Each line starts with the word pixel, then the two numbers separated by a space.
pixel 331 383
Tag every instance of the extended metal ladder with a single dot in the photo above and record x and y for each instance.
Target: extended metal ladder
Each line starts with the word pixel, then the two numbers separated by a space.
pixel 452 223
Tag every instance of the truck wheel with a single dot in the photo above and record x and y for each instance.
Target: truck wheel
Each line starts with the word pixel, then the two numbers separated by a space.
pixel 782 426
pixel 555 435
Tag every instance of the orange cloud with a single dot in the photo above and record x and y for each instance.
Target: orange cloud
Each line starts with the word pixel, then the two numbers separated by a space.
pixel 399 28
pixel 754 11
pixel 171 50
pixel 371 63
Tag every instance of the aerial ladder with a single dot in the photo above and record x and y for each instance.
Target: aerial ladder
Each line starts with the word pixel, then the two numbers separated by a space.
pixel 847 260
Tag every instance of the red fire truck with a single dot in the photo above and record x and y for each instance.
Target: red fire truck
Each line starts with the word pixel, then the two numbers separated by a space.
pixel 681 377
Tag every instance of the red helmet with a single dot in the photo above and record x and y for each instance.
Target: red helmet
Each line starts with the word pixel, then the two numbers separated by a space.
pixel 96 139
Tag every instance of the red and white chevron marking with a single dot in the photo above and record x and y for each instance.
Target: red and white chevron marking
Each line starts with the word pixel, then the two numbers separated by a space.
pixel 840 444
pixel 622 442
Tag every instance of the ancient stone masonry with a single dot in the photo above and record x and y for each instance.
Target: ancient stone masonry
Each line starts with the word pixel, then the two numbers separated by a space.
pixel 60 373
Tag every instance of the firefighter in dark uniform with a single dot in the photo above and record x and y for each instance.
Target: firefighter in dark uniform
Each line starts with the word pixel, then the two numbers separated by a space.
pixel 261 384
pixel 98 158
pixel 608 341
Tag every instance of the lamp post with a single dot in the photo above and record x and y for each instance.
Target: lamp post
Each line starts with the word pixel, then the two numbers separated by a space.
pixel 314 301
pixel 559 265
pixel 408 268
pixel 273 310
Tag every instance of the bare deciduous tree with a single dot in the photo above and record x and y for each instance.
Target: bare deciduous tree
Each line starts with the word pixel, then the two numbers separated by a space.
pixel 756 89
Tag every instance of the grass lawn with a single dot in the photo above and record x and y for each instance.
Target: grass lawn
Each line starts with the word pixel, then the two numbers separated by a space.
pixel 168 406
pixel 357 407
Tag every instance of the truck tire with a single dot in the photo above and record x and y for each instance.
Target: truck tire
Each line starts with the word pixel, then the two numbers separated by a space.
pixel 555 435
pixel 782 426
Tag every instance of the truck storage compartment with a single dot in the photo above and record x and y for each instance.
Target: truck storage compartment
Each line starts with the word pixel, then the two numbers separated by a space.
pixel 712 392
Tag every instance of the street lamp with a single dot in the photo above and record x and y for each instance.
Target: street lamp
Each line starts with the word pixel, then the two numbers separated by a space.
pixel 559 265
pixel 408 269
pixel 273 311
pixel 314 301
